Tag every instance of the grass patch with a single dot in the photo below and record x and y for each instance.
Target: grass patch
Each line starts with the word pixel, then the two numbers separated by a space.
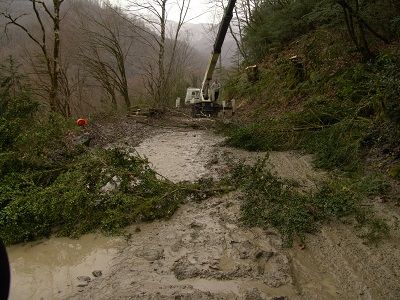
pixel 336 146
pixel 270 201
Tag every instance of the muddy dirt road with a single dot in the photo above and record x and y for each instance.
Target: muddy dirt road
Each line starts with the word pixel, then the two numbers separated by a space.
pixel 203 252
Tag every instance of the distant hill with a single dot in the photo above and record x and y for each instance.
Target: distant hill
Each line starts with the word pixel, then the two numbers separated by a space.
pixel 202 36
pixel 80 18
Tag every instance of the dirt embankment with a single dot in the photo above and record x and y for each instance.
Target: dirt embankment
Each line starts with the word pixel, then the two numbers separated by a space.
pixel 203 252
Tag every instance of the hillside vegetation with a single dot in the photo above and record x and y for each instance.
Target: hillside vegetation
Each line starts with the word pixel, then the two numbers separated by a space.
pixel 327 84
pixel 317 90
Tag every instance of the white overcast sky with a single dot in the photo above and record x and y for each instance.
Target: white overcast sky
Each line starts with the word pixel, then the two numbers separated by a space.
pixel 199 12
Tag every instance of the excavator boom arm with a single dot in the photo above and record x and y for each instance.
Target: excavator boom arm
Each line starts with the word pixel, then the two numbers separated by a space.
pixel 215 54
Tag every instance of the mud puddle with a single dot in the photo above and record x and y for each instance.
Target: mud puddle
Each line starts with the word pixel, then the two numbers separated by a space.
pixel 49 269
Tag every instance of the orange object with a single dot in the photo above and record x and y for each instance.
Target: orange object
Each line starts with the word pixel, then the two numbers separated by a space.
pixel 82 122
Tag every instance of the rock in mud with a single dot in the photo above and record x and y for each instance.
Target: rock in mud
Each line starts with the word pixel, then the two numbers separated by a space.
pixel 84 278
pixel 111 186
pixel 97 273
pixel 83 284
pixel 150 255
pixel 264 254
pixel 83 139
pixel 183 269
pixel 84 281
pixel 253 294
pixel 196 225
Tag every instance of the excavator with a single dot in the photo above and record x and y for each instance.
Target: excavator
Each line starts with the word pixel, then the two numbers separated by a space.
pixel 200 100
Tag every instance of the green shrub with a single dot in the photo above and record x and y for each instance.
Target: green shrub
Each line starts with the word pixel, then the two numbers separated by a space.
pixel 17 107
pixel 71 200
pixel 270 201
pixel 267 135
pixel 16 117
pixel 336 146
pixel 339 146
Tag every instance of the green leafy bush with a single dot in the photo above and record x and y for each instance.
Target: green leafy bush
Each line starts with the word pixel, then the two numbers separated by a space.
pixel 73 200
pixel 16 110
pixel 270 201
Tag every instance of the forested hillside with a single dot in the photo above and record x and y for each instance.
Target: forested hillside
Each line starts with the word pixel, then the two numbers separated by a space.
pixel 107 58
pixel 327 82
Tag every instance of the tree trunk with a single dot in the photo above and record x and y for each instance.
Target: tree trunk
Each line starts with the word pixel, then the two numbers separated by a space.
pixel 56 57
pixel 359 38
pixel 161 56
pixel 364 47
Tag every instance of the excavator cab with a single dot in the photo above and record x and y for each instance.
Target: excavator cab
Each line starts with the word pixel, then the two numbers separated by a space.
pixel 193 95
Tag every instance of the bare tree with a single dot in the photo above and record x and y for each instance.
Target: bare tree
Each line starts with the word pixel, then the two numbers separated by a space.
pixel 105 52
pixel 245 13
pixel 48 43
pixel 357 27
pixel 154 14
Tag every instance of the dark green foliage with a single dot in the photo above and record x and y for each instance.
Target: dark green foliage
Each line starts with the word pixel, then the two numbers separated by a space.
pixel 395 26
pixel 278 23
pixel 383 16
pixel 51 186
pixel 387 83
pixel 395 171
pixel 16 105
pixel 35 203
pixel 336 146
pixel 269 201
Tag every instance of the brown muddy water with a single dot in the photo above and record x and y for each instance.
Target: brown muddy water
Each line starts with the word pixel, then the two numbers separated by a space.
pixel 49 269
